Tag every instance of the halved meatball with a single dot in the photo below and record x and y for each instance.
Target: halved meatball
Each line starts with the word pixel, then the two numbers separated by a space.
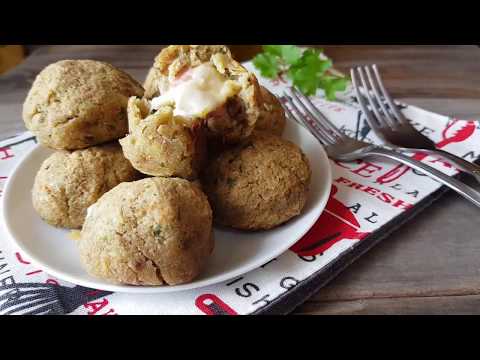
pixel 159 144
pixel 205 84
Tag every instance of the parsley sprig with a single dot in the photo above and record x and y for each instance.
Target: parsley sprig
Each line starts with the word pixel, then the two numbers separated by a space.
pixel 306 68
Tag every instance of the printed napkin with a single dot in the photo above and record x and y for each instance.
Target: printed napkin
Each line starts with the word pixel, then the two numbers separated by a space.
pixel 369 199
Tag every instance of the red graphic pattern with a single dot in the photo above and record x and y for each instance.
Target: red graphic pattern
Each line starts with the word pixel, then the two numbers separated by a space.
pixel 5 153
pixel 212 305
pixel 20 259
pixel 98 307
pixel 24 262
pixel 336 223
pixel 450 135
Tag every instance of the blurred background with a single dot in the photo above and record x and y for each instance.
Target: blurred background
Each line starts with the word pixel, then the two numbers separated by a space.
pixel 13 55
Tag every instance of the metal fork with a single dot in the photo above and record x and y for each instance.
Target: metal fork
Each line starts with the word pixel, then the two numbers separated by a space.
pixel 391 126
pixel 343 148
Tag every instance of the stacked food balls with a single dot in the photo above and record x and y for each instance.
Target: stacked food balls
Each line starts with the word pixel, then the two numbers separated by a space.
pixel 78 108
pixel 202 123
pixel 197 96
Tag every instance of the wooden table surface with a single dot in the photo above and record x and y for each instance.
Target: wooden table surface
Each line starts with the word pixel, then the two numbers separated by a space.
pixel 430 266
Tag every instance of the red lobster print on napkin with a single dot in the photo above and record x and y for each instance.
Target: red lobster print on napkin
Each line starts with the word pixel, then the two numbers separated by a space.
pixel 336 223
pixel 455 132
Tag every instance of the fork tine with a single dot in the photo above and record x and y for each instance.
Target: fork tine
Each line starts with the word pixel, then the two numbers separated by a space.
pixel 378 122
pixel 398 114
pixel 299 119
pixel 368 114
pixel 284 99
pixel 386 117
pixel 321 127
pixel 317 126
pixel 324 121
pixel 291 115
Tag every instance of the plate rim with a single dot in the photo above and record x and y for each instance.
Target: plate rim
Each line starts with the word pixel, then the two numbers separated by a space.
pixel 131 289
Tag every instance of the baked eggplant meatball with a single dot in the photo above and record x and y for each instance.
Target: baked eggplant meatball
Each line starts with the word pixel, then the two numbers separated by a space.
pixel 74 104
pixel 69 182
pixel 259 184
pixel 156 231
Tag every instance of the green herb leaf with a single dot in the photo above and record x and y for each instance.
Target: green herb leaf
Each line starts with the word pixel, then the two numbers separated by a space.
pixel 267 64
pixel 331 85
pixel 311 60
pixel 275 50
pixel 306 73
pixel 291 54
pixel 307 70
pixel 305 80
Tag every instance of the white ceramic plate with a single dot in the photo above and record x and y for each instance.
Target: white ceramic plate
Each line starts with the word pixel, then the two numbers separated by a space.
pixel 235 253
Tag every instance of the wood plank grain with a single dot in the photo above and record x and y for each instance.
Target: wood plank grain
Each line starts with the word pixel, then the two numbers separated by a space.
pixel 419 71
pixel 446 305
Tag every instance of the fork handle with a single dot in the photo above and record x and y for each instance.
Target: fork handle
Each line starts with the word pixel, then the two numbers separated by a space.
pixel 461 188
pixel 456 161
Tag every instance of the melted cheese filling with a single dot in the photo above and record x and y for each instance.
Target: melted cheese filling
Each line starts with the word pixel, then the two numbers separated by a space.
pixel 199 92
